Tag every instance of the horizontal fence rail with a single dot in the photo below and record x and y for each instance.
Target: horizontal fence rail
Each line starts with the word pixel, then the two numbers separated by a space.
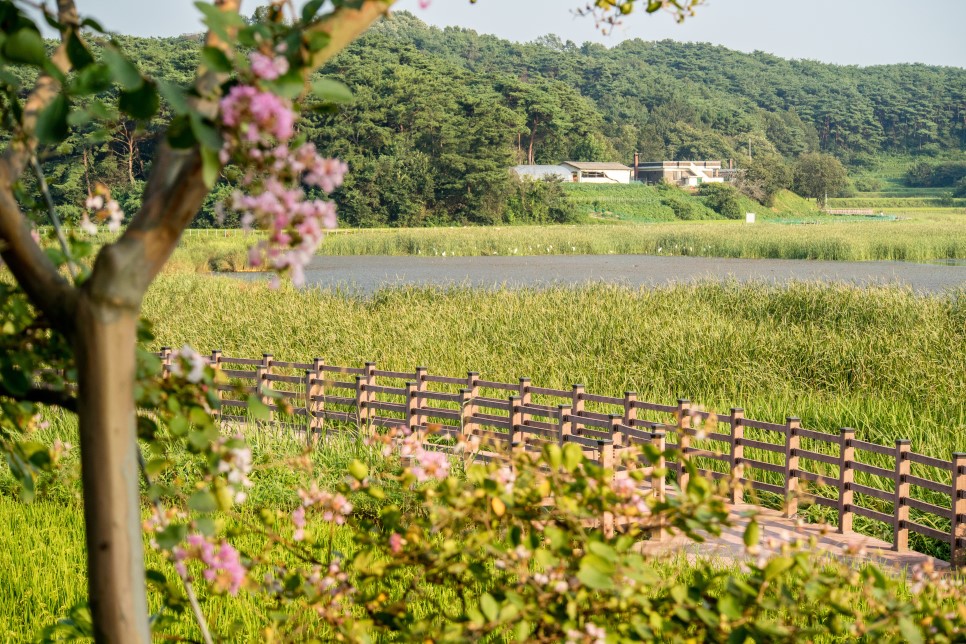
pixel 906 491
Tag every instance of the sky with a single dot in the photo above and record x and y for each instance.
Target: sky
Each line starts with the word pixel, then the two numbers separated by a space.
pixel 848 32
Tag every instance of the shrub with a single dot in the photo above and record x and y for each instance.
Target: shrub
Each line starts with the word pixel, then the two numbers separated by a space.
pixel 722 199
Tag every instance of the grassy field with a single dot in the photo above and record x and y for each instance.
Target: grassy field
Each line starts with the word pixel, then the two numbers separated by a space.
pixel 920 236
pixel 881 360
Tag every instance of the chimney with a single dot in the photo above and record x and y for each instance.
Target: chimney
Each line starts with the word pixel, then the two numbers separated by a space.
pixel 637 162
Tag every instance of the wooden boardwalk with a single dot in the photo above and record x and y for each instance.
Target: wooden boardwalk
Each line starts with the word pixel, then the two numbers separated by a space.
pixel 777 531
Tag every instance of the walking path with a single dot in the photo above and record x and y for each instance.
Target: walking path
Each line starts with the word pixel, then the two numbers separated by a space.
pixel 776 530
pixel 369 273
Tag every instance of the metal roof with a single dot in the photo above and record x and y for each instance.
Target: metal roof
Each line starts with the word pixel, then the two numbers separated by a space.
pixel 539 171
pixel 594 166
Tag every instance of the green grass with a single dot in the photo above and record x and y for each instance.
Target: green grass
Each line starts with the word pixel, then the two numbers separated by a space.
pixel 882 360
pixel 926 235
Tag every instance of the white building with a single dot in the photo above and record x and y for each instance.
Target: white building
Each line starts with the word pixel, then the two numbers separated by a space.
pixel 688 174
pixel 594 172
pixel 538 172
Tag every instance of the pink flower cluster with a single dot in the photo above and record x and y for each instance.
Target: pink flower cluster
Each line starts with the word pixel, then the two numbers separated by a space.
pixel 430 464
pixel 258 128
pixel 223 565
pixel 632 499
pixel 335 508
pixel 101 208
pixel 257 115
pixel 268 67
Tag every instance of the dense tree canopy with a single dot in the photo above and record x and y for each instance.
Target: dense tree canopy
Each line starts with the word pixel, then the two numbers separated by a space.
pixel 439 114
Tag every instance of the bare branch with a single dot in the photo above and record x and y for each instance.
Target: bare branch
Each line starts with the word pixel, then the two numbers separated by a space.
pixel 42 396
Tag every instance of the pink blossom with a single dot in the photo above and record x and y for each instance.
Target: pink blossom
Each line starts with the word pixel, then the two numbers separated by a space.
pixel 267 67
pixel 298 520
pixel 431 464
pixel 395 543
pixel 223 565
pixel 335 507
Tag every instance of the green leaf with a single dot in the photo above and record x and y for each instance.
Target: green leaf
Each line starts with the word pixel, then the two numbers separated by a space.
pixel 14 380
pixel 171 536
pixel 596 572
pixel 174 95
pixel 310 9
pixel 752 534
pixel 332 91
pixel 122 70
pixel 205 132
pixel 219 21
pixel 178 426
pixel 206 526
pixel 777 566
pixel 573 456
pixel 728 606
pixel 210 167
pixel 215 60
pixel 290 85
pixel 25 46
pixel 603 550
pixel 203 501
pixel 910 632
pixel 489 607
pixel 80 57
pixel 257 408
pixel 358 470
pixel 142 103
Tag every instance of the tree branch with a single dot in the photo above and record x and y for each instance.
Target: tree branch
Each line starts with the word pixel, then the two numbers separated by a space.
pixel 345 25
pixel 42 396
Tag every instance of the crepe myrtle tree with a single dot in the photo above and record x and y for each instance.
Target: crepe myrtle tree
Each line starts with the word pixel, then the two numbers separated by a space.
pixel 70 318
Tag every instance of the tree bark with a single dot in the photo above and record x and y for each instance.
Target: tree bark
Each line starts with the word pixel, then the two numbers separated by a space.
pixel 104 344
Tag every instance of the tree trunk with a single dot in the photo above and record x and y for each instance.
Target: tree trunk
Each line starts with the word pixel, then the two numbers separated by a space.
pixel 104 345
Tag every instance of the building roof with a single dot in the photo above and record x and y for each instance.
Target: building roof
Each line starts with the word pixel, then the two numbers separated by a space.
pixel 594 166
pixel 540 171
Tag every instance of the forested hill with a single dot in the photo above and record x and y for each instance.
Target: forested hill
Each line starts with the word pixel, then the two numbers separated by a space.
pixel 439 116
pixel 680 100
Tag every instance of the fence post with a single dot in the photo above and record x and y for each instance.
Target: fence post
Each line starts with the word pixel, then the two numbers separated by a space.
pixel 958 527
pixel 525 398
pixel 605 451
pixel 516 421
pixel 737 452
pixel 421 386
pixel 309 406
pixel 900 511
pixel 413 416
pixel 683 424
pixel 846 478
pixel 362 411
pixel 658 481
pixel 792 444
pixel 318 395
pixel 576 407
pixel 630 411
pixel 616 437
pixel 262 383
pixel 368 396
pixel 165 362
pixel 564 425
pixel 216 365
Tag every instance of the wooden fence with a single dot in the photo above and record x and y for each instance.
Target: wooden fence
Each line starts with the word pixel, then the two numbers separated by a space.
pixel 890 484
